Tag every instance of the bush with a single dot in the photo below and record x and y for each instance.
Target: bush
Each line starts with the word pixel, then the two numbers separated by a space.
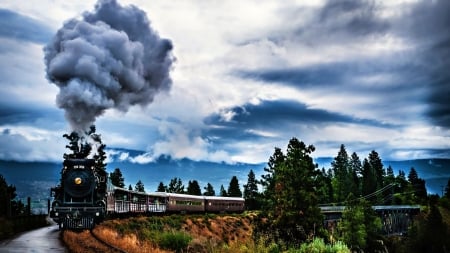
pixel 318 246
pixel 174 240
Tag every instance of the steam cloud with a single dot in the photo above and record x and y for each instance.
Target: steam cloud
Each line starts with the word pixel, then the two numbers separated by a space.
pixel 111 58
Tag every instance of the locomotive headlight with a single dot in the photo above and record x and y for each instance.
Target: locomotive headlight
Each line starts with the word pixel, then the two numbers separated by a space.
pixel 78 181
pixel 97 214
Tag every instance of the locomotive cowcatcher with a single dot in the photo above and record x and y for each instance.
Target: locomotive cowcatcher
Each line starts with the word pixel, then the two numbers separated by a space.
pixel 80 199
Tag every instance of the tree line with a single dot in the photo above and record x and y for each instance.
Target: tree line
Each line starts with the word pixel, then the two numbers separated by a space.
pixel 176 186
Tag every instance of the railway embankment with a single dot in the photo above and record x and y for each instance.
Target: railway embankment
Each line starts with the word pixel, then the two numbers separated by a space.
pixel 172 233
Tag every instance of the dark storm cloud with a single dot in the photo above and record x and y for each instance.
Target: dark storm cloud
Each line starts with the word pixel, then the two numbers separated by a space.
pixel 20 113
pixel 429 28
pixel 394 79
pixel 111 58
pixel 16 26
pixel 357 17
pixel 273 116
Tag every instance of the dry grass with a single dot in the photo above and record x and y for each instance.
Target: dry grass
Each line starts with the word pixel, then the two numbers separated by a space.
pixel 218 234
pixel 128 242
pixel 82 242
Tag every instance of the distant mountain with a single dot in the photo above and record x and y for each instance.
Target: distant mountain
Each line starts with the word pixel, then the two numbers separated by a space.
pixel 34 179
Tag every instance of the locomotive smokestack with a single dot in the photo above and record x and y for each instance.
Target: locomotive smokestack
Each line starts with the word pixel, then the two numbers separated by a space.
pixel 111 58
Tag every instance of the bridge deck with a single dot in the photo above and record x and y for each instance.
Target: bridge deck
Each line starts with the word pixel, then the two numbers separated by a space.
pixel 340 209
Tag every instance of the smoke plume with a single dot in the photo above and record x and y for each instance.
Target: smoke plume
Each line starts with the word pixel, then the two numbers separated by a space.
pixel 111 58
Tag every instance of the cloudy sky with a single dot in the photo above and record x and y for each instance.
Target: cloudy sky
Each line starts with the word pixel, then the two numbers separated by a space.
pixel 245 77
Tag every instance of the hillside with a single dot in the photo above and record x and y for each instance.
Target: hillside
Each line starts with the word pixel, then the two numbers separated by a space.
pixel 196 233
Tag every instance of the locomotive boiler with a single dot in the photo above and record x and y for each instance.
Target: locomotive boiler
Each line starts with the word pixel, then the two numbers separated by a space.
pixel 80 198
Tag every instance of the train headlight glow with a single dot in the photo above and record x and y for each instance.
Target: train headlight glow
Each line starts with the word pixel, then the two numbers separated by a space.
pixel 78 181
pixel 97 214
pixel 56 214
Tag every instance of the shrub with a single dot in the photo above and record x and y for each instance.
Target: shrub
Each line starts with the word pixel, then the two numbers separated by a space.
pixel 174 240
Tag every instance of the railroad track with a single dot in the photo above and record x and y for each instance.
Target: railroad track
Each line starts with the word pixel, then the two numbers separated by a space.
pixel 111 247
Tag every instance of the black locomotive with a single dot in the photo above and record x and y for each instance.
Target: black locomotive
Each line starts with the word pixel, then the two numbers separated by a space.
pixel 80 199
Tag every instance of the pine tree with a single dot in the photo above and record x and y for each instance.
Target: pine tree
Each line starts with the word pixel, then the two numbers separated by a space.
pixel 223 193
pixel 377 167
pixel 251 192
pixel 356 174
pixel 139 187
pixel 418 186
pixel 233 189
pixel 117 178
pixel 161 187
pixel 209 190
pixel 268 182
pixel 369 181
pixel 293 204
pixel 176 185
pixel 193 188
pixel 342 182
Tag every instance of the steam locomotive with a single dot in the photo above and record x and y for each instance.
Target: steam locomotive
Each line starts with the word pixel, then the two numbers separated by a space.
pixel 79 201
pixel 86 196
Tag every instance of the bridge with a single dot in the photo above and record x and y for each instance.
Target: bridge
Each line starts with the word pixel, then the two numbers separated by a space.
pixel 395 219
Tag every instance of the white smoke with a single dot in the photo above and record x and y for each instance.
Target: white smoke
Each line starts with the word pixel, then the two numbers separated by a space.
pixel 111 58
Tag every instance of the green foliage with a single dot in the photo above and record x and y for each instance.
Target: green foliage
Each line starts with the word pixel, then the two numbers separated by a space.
pixel 223 193
pixel 174 240
pixel 291 206
pixel 319 246
pixel 161 187
pixel 139 187
pixel 209 190
pixel 360 225
pixel 194 188
pixel 429 233
pixel 233 189
pixel 175 185
pixel 251 192
pixel 117 178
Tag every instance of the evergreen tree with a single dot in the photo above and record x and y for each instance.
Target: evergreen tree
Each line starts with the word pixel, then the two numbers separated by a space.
pixel 418 186
pixel 268 182
pixel 161 187
pixel 176 185
pixel 193 188
pixel 233 189
pixel 352 226
pixel 251 192
pixel 130 188
pixel 117 178
pixel 223 193
pixel 377 168
pixel 5 198
pixel 209 190
pixel 325 189
pixel 356 174
pixel 369 181
pixel 342 181
pixel 293 207
pixel 139 187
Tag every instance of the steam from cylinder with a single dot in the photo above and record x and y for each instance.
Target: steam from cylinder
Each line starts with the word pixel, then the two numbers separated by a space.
pixel 111 58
